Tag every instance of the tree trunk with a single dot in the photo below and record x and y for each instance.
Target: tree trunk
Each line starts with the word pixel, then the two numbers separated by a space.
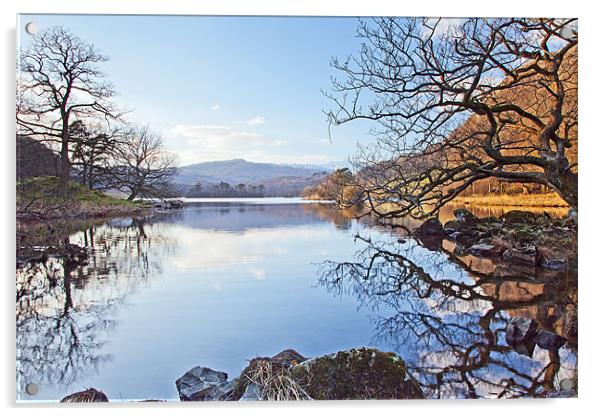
pixel 568 188
pixel 64 180
pixel 65 167
pixel 133 195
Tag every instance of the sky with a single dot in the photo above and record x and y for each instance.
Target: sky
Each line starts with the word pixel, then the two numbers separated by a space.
pixel 220 88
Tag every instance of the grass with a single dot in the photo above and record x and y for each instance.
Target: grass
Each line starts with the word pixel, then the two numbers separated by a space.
pixel 517 200
pixel 275 382
pixel 42 198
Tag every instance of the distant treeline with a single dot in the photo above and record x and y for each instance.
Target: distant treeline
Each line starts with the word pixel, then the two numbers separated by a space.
pixel 224 189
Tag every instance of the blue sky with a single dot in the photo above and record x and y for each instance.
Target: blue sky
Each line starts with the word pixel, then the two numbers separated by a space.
pixel 220 88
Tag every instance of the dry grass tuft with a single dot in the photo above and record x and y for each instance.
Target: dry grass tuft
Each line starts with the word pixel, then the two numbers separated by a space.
pixel 275 382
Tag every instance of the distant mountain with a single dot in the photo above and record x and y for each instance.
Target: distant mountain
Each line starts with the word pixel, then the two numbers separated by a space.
pixel 278 179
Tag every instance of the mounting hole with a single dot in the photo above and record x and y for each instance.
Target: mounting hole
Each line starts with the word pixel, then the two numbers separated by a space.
pixel 32 389
pixel 32 28
pixel 566 384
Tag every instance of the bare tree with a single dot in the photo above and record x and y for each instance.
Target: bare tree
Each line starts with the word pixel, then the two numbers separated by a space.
pixel 453 324
pixel 59 82
pixel 488 98
pixel 143 166
pixel 93 150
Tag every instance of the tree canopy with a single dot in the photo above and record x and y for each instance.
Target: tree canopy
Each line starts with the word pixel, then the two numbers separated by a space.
pixel 488 98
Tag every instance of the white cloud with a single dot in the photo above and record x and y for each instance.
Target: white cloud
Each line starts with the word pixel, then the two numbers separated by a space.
pixel 256 120
pixel 444 25
pixel 216 107
pixel 194 143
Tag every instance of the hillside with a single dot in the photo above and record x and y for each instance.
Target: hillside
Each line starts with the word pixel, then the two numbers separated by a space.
pixel 278 179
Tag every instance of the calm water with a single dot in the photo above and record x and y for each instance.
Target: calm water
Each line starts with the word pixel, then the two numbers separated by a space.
pixel 224 281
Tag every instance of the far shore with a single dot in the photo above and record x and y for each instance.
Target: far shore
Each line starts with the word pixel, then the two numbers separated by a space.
pixel 519 200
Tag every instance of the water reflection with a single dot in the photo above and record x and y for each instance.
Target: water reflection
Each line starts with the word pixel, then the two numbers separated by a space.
pixel 65 304
pixel 221 282
pixel 451 317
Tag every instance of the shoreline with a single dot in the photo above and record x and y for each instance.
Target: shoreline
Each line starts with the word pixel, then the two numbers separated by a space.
pixel 512 201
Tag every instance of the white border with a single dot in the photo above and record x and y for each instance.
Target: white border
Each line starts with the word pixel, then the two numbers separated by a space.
pixel 590 153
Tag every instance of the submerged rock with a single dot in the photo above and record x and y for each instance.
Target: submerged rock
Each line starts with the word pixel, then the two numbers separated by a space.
pixel 356 374
pixel 204 384
pixel 86 396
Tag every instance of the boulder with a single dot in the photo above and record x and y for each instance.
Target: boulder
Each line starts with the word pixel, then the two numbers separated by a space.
pixel 527 256
pixel 430 227
pixel 204 384
pixel 86 396
pixel 520 330
pixel 464 216
pixel 356 374
pixel 519 217
pixel 549 340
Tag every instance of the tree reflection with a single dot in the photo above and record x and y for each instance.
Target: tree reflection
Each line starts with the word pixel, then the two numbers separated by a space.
pixel 449 314
pixel 66 301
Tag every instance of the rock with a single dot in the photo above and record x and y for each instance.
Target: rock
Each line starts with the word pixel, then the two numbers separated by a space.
pixel 356 374
pixel 549 340
pixel 572 215
pixel 288 358
pixel 486 240
pixel 519 217
pixel 204 384
pixel 527 256
pixel 453 226
pixel 467 237
pixel 455 236
pixel 520 330
pixel 554 263
pixel 463 215
pixel 86 396
pixel 431 227
pixel 252 392
pixel 485 250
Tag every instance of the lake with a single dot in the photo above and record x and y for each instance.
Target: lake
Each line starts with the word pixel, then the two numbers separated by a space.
pixel 223 281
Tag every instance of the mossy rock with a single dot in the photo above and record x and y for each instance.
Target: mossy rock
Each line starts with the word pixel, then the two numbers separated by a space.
pixel 356 374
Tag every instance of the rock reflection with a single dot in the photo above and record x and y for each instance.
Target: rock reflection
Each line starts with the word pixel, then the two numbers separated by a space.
pixel 449 317
pixel 66 300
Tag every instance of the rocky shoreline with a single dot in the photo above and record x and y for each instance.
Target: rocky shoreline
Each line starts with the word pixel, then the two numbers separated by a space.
pixel 354 374
pixel 517 238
